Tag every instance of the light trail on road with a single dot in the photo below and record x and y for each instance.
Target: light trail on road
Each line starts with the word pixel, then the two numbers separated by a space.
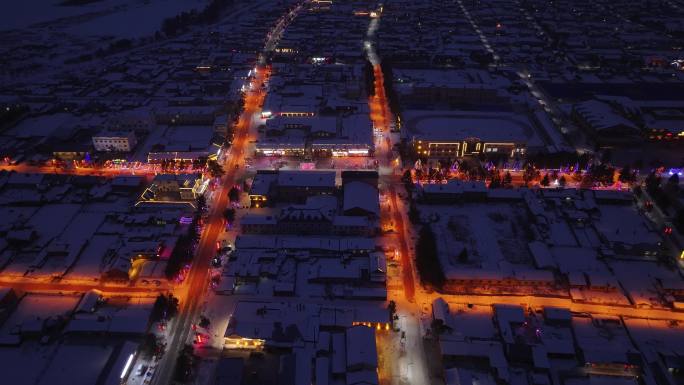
pixel 198 278
pixel 83 287
pixel 410 364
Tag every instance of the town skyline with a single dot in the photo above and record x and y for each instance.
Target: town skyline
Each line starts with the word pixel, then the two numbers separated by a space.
pixel 362 192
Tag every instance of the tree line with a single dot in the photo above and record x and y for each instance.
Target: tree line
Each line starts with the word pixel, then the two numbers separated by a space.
pixel 666 196
pixel 427 260
pixel 181 22
pixel 184 250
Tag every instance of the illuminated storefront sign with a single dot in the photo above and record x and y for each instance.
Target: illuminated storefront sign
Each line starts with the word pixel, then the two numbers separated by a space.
pixel 244 343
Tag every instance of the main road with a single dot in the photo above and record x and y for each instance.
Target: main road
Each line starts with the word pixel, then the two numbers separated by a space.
pixel 403 361
pixel 65 287
pixel 191 296
pixel 198 279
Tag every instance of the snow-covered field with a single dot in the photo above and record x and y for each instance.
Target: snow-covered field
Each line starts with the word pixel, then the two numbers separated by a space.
pixel 121 18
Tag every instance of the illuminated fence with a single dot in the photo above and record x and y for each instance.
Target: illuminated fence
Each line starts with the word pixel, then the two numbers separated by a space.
pixel 449 149
pixel 377 325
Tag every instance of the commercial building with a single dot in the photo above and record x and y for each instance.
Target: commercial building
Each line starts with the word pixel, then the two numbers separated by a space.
pixel 119 141
pixel 309 344
pixel 271 186
pixel 317 136
pixel 175 187
pixel 186 143
pixel 454 134
pixel 318 215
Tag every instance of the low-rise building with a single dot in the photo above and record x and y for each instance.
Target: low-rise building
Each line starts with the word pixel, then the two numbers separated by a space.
pixel 270 186
pixel 175 187
pixel 319 215
pixel 604 123
pixel 118 141
pixel 317 136
pixel 452 134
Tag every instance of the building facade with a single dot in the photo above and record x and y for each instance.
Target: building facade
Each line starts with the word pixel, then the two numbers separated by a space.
pixel 119 141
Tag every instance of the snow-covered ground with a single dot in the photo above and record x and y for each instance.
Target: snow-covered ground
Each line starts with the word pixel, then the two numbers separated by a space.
pixel 121 18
